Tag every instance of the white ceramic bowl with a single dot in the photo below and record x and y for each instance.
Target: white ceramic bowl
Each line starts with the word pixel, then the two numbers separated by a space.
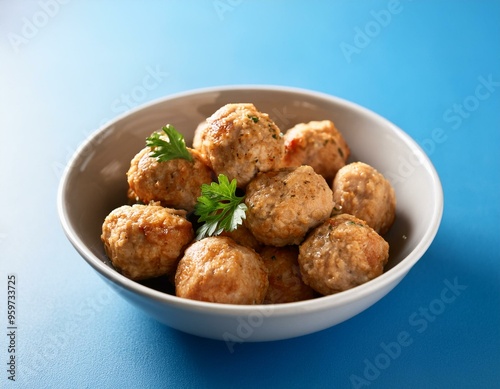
pixel 94 183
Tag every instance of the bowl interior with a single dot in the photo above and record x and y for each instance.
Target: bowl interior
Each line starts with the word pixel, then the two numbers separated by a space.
pixel 95 181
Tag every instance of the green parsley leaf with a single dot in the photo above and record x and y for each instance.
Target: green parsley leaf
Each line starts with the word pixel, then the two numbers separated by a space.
pixel 219 208
pixel 172 148
pixel 354 224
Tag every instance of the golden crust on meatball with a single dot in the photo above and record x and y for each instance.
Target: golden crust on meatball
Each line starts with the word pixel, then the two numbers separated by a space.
pixel 240 141
pixel 199 136
pixel 360 190
pixel 175 183
pixel 285 281
pixel 283 205
pixel 243 236
pixel 145 241
pixel 217 269
pixel 318 144
pixel 342 253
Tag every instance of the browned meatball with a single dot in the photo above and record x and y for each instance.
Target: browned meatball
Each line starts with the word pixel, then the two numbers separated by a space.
pixel 360 190
pixel 132 197
pixel 240 141
pixel 145 241
pixel 342 253
pixel 175 183
pixel 283 205
pixel 243 236
pixel 199 134
pixel 285 281
pixel 219 270
pixel 318 144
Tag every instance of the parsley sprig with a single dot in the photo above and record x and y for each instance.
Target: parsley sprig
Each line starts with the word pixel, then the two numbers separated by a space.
pixel 219 208
pixel 172 148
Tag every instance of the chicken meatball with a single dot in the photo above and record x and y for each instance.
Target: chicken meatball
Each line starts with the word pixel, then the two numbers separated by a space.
pixel 243 236
pixel 199 134
pixel 145 241
pixel 283 205
pixel 175 183
pixel 219 270
pixel 318 144
pixel 285 281
pixel 240 141
pixel 360 190
pixel 342 253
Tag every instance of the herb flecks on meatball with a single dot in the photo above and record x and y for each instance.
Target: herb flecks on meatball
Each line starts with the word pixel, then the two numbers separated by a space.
pixel 175 183
pixel 360 190
pixel 283 205
pixel 342 253
pixel 318 144
pixel 239 141
pixel 145 241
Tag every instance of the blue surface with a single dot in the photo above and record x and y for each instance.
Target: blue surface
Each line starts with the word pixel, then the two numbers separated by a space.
pixel 431 67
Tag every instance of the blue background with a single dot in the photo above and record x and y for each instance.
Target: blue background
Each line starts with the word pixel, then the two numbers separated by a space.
pixel 67 67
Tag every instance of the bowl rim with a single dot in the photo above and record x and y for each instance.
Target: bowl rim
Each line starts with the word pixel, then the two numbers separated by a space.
pixel 390 276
